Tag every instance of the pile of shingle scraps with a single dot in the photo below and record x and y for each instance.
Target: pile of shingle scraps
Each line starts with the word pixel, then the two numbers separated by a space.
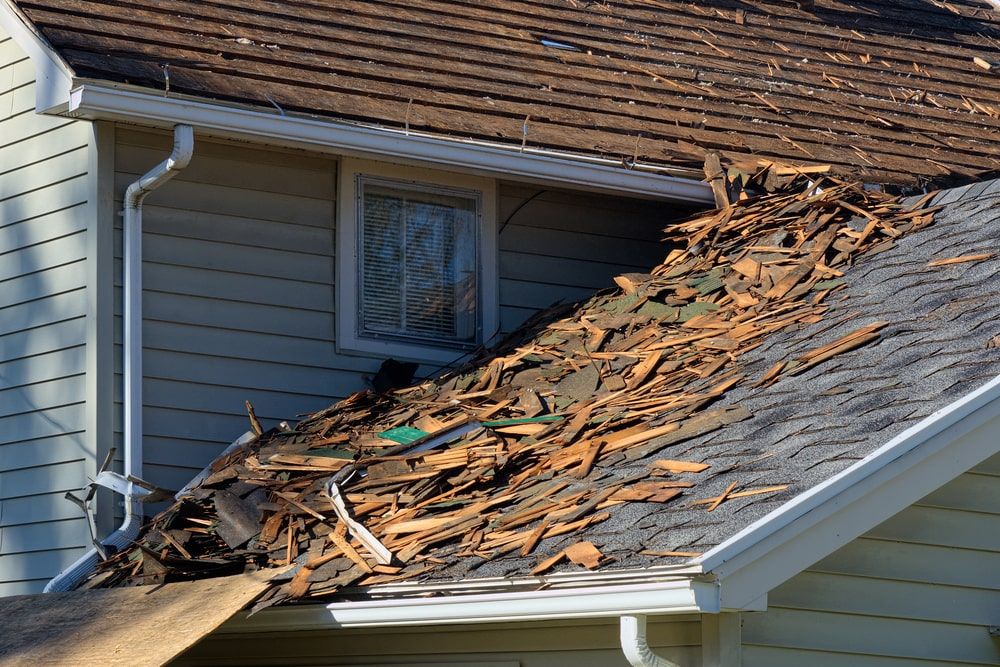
pixel 514 447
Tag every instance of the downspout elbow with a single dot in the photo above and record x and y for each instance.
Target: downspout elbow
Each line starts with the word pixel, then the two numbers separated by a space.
pixel 634 645
pixel 179 158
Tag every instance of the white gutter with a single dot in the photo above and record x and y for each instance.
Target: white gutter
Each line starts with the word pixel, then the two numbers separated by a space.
pixel 814 524
pixel 178 159
pixel 634 646
pixel 681 596
pixel 554 581
pixel 95 101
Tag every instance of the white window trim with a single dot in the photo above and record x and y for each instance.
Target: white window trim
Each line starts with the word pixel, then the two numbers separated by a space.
pixel 348 341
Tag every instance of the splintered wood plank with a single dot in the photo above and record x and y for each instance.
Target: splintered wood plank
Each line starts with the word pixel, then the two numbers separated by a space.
pixel 962 259
pixel 587 463
pixel 671 465
pixel 584 553
pixel 145 625
pixel 791 278
pixel 339 538
pixel 720 499
pixel 548 563
pixel 533 538
pixel 853 340
pixel 739 494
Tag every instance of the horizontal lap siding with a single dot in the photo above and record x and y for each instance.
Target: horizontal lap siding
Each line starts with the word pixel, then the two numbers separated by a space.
pixel 238 297
pixel 581 643
pixel 560 246
pixel 43 226
pixel 920 588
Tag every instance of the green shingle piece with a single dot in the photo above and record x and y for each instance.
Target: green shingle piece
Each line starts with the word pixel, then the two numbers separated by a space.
pixel 659 311
pixel 708 283
pixel 404 435
pixel 695 309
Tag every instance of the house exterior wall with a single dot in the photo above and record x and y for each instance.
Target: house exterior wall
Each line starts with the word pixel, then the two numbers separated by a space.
pixel 922 586
pixel 239 285
pixel 581 643
pixel 47 205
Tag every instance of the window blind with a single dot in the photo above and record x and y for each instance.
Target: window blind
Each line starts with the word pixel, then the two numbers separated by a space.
pixel 418 254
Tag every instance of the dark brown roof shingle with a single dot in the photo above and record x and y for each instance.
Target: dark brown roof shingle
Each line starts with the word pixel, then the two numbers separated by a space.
pixel 884 91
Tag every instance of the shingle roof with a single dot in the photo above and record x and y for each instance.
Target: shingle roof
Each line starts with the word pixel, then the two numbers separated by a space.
pixel 886 92
pixel 728 378
pixel 942 342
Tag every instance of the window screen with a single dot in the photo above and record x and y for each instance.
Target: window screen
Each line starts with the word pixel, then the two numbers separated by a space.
pixel 418 256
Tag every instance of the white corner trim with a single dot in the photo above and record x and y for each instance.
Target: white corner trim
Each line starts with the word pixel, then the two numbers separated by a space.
pixel 146 108
pixel 53 77
pixel 828 516
pixel 722 640
pixel 682 596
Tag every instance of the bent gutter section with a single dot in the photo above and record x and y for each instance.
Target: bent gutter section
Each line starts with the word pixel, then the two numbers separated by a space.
pixel 178 159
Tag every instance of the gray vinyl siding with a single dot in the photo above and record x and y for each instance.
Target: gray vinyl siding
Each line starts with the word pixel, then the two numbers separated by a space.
pixel 238 297
pixel 563 246
pixel 920 588
pixel 45 197
pixel 239 286
pixel 581 643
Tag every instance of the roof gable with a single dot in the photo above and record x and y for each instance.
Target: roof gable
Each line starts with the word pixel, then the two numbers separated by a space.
pixel 52 75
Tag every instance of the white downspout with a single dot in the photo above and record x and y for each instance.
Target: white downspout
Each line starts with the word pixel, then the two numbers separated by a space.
pixel 634 646
pixel 178 159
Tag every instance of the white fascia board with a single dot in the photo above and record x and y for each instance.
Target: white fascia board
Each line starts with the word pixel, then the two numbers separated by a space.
pixel 683 596
pixel 818 522
pixel 102 102
pixel 53 77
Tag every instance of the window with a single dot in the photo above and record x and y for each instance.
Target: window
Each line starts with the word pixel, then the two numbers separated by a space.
pixel 416 262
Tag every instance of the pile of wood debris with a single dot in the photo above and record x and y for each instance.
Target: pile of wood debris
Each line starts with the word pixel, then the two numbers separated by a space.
pixel 513 448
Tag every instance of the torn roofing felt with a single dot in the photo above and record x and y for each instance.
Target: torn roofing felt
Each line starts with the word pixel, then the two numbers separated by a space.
pixel 885 91
pixel 784 338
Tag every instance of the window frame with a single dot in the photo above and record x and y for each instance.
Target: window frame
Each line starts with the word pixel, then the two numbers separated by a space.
pixel 348 264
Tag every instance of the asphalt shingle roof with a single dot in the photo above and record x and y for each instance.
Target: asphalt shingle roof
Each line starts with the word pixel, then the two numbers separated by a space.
pixel 942 342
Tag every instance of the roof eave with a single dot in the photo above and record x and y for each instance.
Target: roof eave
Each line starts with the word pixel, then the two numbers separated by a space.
pixel 818 522
pixel 102 101
pixel 678 596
